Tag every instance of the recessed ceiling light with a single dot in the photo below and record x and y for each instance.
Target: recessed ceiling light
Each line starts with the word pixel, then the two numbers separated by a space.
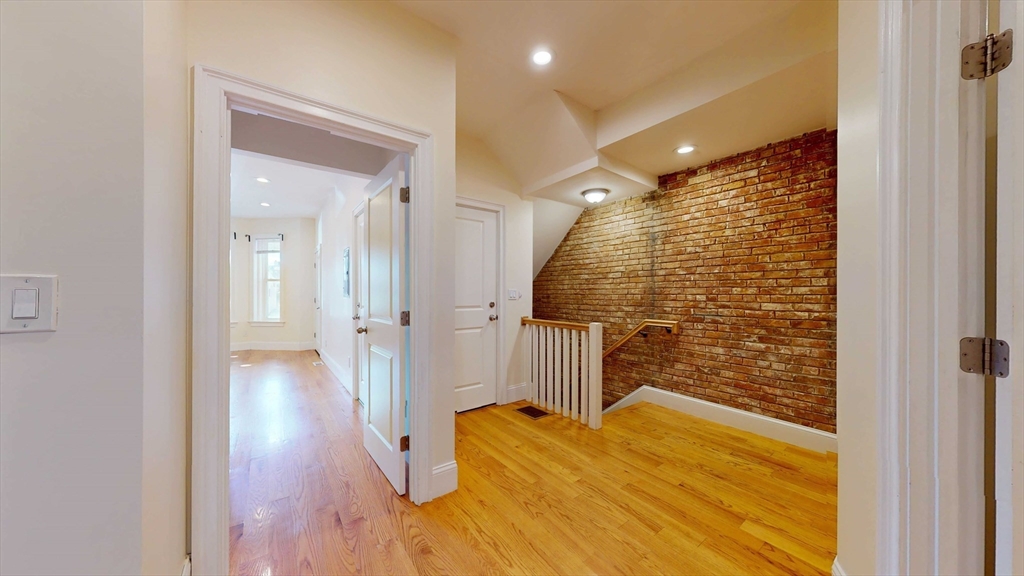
pixel 595 195
pixel 542 57
pixel 262 180
pixel 684 149
pixel 264 204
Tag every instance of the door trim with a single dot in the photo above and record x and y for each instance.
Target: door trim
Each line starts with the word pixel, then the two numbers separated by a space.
pixel 215 94
pixel 502 363
pixel 922 160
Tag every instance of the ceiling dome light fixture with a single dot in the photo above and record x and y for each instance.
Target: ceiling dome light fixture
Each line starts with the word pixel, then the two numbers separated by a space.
pixel 595 195
pixel 262 180
pixel 264 204
pixel 684 149
pixel 542 57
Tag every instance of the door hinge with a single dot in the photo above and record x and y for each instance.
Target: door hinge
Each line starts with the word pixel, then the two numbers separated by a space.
pixel 405 318
pixel 986 356
pixel 403 444
pixel 988 57
pixel 403 194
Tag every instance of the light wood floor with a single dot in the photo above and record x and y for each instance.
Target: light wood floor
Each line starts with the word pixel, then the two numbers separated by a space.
pixel 654 491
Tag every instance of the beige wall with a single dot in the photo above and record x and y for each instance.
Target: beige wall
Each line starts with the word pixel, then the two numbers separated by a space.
pixel 72 204
pixel 336 234
pixel 298 284
pixel 481 176
pixel 165 288
pixel 857 274
pixel 375 58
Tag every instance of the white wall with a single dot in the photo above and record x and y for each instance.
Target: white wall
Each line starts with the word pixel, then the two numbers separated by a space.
pixel 481 176
pixel 857 275
pixel 336 225
pixel 551 222
pixel 298 284
pixel 71 203
pixel 165 286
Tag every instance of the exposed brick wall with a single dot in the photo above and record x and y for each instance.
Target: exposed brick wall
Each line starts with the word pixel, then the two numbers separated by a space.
pixel 742 252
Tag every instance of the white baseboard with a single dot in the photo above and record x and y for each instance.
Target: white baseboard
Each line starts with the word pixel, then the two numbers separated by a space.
pixel 516 393
pixel 444 479
pixel 284 346
pixel 186 569
pixel 345 376
pixel 788 432
pixel 837 570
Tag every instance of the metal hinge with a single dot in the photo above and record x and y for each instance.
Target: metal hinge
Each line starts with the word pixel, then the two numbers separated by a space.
pixel 403 194
pixel 403 443
pixel 986 356
pixel 405 318
pixel 988 57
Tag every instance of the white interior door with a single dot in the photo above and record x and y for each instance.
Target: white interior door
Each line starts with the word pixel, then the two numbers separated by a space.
pixel 384 395
pixel 476 311
pixel 318 318
pixel 1009 457
pixel 359 262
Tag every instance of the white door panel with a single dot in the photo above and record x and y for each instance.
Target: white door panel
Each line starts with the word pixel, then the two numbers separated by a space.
pixel 384 392
pixel 476 297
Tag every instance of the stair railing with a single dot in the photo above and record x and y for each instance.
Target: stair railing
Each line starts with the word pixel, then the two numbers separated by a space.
pixel 562 361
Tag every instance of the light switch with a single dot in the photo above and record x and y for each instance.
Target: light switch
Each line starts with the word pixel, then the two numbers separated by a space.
pixel 26 304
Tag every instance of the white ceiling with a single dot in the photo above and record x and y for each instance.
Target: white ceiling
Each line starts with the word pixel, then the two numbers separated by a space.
pixel 295 190
pixel 603 51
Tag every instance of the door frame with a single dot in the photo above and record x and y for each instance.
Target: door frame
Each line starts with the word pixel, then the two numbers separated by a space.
pixel 917 377
pixel 318 299
pixel 356 279
pixel 1009 457
pixel 501 364
pixel 215 94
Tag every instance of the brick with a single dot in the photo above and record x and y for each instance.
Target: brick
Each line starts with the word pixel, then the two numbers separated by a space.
pixel 742 251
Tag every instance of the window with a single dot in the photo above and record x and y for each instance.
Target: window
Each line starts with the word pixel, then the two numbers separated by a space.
pixel 266 293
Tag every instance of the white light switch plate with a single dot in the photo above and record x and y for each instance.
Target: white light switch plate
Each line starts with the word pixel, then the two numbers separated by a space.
pixel 46 320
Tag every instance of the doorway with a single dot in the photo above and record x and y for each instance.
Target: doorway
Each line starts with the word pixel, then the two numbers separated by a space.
pixel 479 315
pixel 217 95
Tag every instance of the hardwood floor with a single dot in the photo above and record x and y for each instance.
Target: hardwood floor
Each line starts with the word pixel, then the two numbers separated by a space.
pixel 654 491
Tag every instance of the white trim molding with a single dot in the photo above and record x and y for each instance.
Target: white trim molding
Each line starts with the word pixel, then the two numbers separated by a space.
pixel 837 570
pixel 444 478
pixel 215 94
pixel 283 346
pixel 340 373
pixel 775 429
pixel 518 392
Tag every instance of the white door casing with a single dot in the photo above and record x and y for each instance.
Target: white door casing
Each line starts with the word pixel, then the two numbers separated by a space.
pixel 358 310
pixel 384 300
pixel 476 308
pixel 215 94
pixel 318 319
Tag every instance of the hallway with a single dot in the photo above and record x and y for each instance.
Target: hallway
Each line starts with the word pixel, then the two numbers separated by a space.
pixel 654 491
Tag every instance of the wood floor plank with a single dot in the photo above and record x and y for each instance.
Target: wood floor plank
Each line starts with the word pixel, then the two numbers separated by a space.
pixel 653 492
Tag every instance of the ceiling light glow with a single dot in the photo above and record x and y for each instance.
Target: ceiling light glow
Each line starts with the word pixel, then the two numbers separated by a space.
pixel 262 180
pixel 595 195
pixel 542 57
pixel 264 204
pixel 684 149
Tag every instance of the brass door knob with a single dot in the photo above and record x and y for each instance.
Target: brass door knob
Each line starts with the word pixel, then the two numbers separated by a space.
pixel 361 330
pixel 494 317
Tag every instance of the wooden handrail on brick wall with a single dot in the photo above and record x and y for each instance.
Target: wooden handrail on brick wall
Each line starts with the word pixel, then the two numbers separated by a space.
pixel 670 325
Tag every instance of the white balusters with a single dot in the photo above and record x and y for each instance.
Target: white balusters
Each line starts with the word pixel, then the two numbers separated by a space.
pixel 563 366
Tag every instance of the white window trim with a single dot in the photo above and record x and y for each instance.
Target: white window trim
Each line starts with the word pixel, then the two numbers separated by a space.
pixel 253 299
pixel 261 324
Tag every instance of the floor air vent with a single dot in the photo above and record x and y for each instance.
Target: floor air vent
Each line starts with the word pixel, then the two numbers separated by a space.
pixel 318 363
pixel 533 412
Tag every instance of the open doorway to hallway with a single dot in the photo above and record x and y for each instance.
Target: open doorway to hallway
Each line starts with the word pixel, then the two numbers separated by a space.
pixel 302 340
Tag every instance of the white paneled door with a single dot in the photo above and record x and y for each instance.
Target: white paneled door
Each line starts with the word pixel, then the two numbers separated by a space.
pixel 476 310
pixel 385 298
